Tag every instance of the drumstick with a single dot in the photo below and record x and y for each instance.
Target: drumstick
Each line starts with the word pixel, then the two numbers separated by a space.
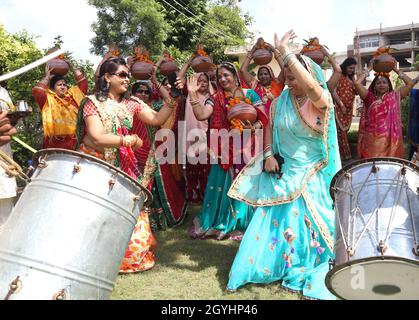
pixel 31 65
pixel 24 144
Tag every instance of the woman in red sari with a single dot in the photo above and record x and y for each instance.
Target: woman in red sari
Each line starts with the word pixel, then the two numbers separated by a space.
pixel 104 122
pixel 380 128
pixel 222 217
pixel 169 204
pixel 344 97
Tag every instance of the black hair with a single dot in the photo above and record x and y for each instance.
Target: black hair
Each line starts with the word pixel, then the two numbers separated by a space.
pixel 345 64
pixel 54 81
pixel 374 82
pixel 267 69
pixel 230 67
pixel 101 86
pixel 137 85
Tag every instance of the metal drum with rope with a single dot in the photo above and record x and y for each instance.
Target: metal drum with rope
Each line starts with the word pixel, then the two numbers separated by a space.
pixel 67 235
pixel 377 221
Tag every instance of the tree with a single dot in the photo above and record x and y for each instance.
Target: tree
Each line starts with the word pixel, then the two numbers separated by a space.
pixel 16 51
pixel 129 23
pixel 187 19
pixel 180 24
pixel 231 27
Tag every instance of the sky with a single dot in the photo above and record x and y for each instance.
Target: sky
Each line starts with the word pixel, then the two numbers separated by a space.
pixel 333 21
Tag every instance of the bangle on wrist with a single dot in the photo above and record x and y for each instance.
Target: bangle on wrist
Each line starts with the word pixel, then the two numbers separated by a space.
pixel 170 103
pixel 267 154
pixel 288 55
pixel 121 141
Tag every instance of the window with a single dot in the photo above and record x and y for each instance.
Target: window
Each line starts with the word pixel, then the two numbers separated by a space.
pixel 369 42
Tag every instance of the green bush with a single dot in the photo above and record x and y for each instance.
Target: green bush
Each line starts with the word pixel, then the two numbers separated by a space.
pixel 353 136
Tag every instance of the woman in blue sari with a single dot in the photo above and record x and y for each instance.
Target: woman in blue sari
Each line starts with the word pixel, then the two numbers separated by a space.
pixel 291 235
pixel 222 217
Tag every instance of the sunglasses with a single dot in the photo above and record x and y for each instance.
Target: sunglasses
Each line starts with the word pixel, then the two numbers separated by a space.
pixel 143 92
pixel 121 75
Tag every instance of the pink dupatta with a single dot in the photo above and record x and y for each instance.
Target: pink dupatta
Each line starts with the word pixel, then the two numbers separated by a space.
pixel 380 129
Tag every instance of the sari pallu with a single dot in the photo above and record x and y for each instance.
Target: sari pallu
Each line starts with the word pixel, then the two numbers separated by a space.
pixel 165 181
pixel 380 129
pixel 222 217
pixel 117 118
pixel 196 174
pixel 291 235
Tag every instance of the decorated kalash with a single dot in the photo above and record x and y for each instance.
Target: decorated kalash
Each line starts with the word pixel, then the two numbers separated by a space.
pixel 82 203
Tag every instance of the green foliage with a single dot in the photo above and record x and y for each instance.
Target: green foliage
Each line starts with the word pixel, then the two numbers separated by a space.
pixel 185 27
pixel 416 63
pixel 129 23
pixel 180 24
pixel 353 136
pixel 229 22
pixel 16 51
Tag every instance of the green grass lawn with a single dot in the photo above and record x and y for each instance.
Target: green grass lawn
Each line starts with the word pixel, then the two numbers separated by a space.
pixel 193 270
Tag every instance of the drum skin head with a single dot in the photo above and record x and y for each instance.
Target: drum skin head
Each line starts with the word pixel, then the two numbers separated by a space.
pixel 391 278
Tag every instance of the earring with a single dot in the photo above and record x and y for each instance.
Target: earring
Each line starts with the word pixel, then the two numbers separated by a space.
pixel 107 85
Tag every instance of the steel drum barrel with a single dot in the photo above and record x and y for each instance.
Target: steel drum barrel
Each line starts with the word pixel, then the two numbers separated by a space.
pixel 67 235
pixel 377 221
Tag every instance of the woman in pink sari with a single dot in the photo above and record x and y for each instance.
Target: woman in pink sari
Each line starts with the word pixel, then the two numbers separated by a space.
pixel 196 173
pixel 380 128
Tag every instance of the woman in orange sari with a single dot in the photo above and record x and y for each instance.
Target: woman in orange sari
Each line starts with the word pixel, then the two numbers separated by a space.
pixel 380 128
pixel 267 86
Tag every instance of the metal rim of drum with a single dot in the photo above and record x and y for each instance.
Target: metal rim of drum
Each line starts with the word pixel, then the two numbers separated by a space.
pixel 345 169
pixel 336 269
pixel 40 153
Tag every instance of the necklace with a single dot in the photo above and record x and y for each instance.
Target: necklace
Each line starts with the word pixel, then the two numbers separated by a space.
pixel 301 100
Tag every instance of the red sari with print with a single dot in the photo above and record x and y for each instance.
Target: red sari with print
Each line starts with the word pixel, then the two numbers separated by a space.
pixel 346 92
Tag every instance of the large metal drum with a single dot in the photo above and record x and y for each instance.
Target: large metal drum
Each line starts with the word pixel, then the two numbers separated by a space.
pixel 67 235
pixel 377 215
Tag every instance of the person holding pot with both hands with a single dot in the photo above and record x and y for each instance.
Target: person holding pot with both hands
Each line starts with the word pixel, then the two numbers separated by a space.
pixel 267 86
pixel 290 238
pixel 59 107
pixel 220 216
pixel 380 127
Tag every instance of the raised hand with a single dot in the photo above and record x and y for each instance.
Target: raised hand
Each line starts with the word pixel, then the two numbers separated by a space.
pixel 153 75
pixel 286 38
pixel 193 86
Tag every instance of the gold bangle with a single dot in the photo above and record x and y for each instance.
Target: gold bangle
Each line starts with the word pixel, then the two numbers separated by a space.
pixel 171 103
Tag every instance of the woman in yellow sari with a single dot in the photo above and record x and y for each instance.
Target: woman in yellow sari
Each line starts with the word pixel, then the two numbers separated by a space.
pixel 59 107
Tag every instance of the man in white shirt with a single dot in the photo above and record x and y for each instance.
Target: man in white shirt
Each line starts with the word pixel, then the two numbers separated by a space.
pixel 7 183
